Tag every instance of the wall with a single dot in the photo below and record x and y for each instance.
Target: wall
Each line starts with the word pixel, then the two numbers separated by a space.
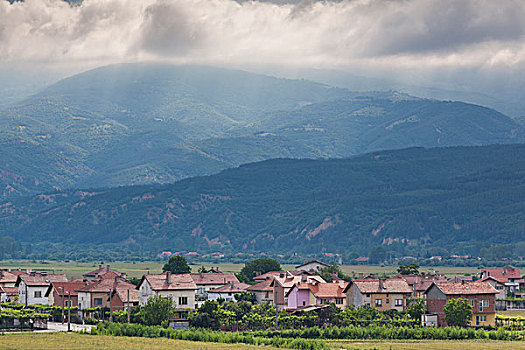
pixel 31 294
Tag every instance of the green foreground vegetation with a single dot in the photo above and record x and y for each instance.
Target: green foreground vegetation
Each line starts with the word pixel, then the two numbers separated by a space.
pixel 51 341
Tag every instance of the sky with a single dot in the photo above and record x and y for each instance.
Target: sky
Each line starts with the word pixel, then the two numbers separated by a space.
pixel 455 43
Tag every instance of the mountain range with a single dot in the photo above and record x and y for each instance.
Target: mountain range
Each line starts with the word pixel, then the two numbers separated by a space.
pixel 412 201
pixel 135 124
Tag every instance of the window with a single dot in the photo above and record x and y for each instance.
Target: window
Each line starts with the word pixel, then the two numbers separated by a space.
pixel 471 302
pixel 66 303
pixel 267 295
pixel 484 304
pixel 480 319
pixel 183 300
pixel 399 302
pixel 368 295
pixel 388 301
pixel 304 303
pixel 339 301
pixel 97 301
pixel 38 294
pixel 379 302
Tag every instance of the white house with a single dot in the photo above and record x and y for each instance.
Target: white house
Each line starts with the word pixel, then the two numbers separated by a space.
pixel 212 280
pixel 228 291
pixel 180 287
pixel 311 266
pixel 32 288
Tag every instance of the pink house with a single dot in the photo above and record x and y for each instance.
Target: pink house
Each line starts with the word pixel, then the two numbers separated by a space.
pixel 307 294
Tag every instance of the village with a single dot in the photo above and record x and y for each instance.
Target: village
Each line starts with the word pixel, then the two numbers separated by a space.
pixel 103 293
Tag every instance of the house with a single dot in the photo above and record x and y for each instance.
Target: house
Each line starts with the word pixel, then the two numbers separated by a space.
pixel 262 290
pixel 8 294
pixel 124 296
pixel 498 285
pixel 382 294
pixel 313 293
pixel 92 275
pixel 7 279
pixel 212 280
pixel 420 282
pixel 507 275
pixel 228 291
pixel 180 287
pixel 97 293
pixel 481 296
pixel 311 266
pixel 59 293
pixel 32 287
pixel 362 259
pixel 282 284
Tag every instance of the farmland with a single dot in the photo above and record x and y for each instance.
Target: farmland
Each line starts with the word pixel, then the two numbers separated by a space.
pixel 46 341
pixel 136 269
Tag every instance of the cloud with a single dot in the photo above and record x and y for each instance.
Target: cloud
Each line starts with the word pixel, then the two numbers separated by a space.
pixel 382 33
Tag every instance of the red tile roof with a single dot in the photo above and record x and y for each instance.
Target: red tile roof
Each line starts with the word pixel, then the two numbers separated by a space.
pixel 100 271
pixel 267 275
pixel 213 278
pixel 263 286
pixel 62 288
pixel 228 288
pixel 18 272
pixel 324 290
pixel 502 274
pixel 464 288
pixel 122 292
pixel 176 282
pixel 371 286
pixel 7 277
pixel 10 291
pixel 40 280
pixel 104 286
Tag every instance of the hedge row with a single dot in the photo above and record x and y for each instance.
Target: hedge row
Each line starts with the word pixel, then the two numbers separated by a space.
pixel 200 335
pixel 385 332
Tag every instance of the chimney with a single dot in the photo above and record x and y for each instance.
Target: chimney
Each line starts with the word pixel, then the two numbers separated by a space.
pixel 463 281
pixel 107 268
pixel 231 284
pixel 168 277
pixel 123 275
pixel 341 284
pixel 303 278
pixel 381 283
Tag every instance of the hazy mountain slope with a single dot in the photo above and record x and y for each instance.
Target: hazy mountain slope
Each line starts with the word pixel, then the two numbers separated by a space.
pixel 460 199
pixel 153 123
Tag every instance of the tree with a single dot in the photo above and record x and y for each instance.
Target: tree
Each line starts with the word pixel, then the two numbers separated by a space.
pixel 408 269
pixel 328 272
pixel 258 266
pixel 416 308
pixel 177 264
pixel 377 255
pixel 246 296
pixel 458 312
pixel 157 310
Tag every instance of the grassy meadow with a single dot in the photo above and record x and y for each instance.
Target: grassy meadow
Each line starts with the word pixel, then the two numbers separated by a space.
pixel 45 341
pixel 75 341
pixel 136 269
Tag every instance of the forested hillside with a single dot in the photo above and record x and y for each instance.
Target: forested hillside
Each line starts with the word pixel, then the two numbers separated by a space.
pixel 411 201
pixel 153 123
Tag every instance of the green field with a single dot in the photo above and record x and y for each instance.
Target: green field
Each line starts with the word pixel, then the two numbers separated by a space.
pixel 76 341
pixel 136 269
